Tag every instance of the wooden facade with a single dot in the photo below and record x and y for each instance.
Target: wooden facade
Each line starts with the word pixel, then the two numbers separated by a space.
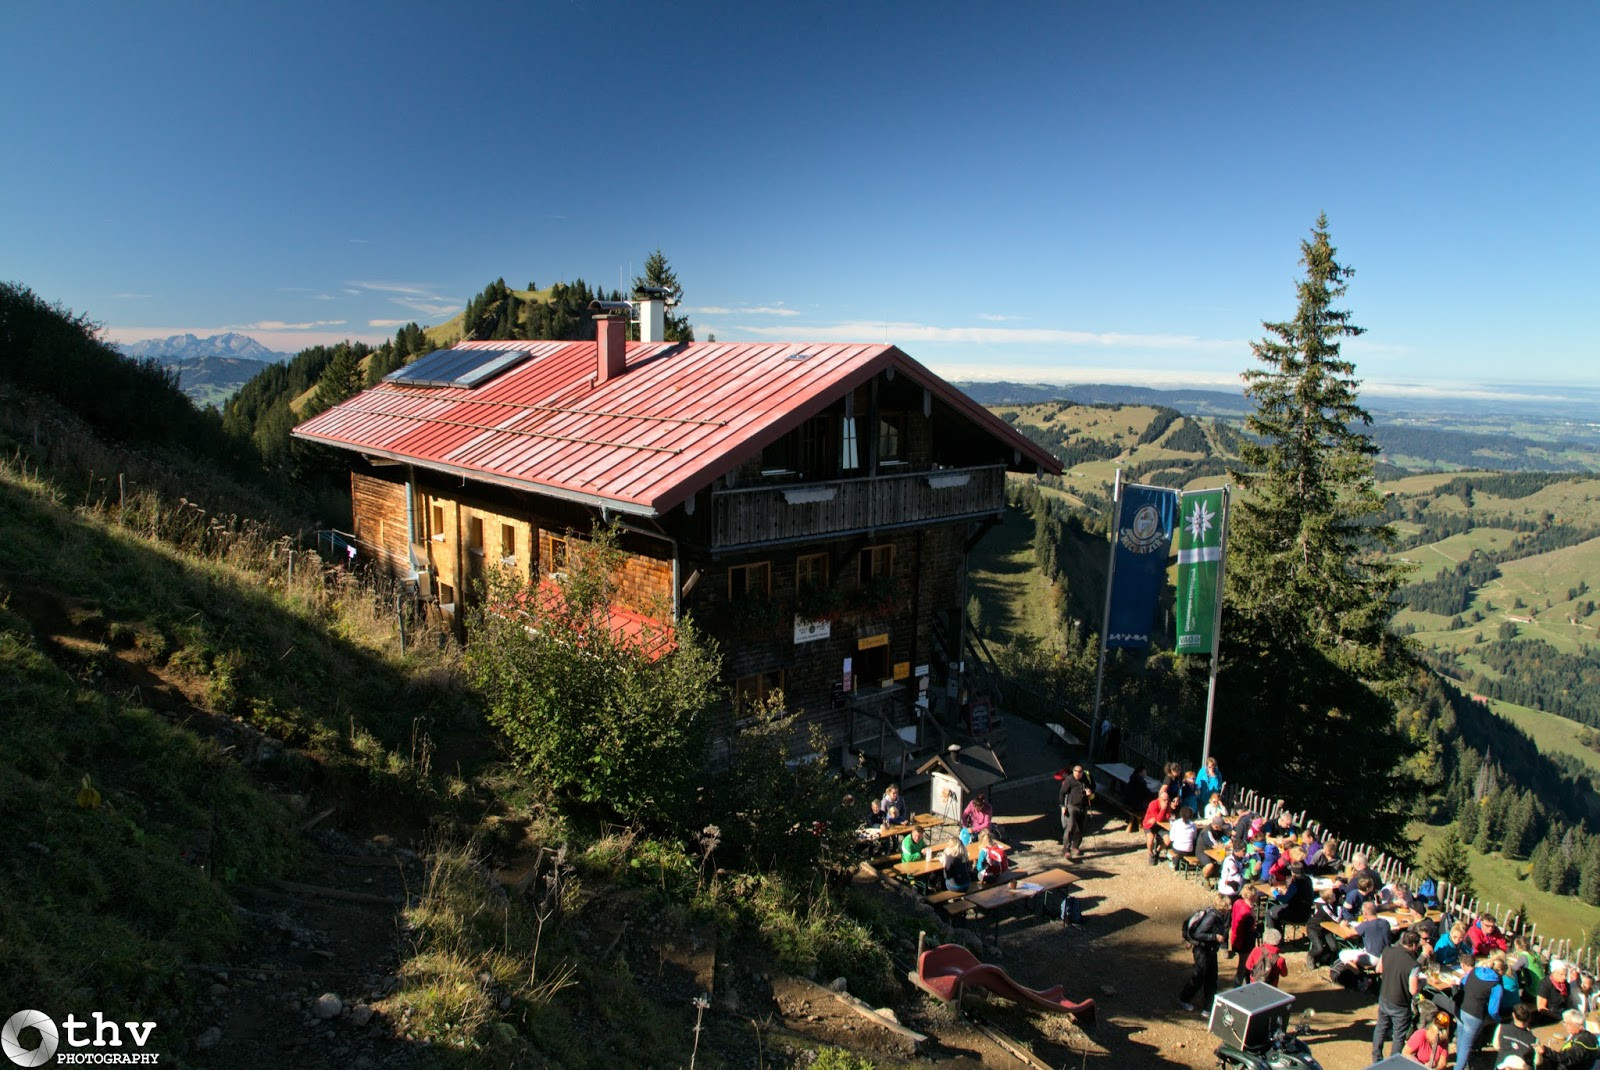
pixel 830 564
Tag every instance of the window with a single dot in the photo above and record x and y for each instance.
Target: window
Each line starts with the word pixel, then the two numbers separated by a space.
pixel 748 691
pixel 447 598
pixel 891 438
pixel 807 451
pixel 508 543
pixel 811 571
pixel 750 581
pixel 873 668
pixel 850 459
pixel 475 535
pixel 877 562
pixel 558 555
pixel 437 528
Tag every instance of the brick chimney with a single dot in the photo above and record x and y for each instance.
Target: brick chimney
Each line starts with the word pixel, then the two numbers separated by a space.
pixel 612 334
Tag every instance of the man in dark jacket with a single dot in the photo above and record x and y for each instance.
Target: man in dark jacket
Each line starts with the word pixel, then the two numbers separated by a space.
pixel 1576 1050
pixel 1077 792
pixel 1206 938
pixel 1400 985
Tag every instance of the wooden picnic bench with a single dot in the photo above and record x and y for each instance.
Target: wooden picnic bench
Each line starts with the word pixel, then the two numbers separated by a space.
pixel 992 901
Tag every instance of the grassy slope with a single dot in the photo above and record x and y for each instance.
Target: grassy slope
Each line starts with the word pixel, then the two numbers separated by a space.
pixel 1499 880
pixel 1015 598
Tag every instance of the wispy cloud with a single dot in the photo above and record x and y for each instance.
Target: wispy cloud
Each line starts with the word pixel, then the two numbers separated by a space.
pixel 323 297
pixel 282 341
pixel 417 296
pixel 922 332
pixel 743 310
pixel 993 317
pixel 280 325
pixel 360 241
pixel 387 323
pixel 131 297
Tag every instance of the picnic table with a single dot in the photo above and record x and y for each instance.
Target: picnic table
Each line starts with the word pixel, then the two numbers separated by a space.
pixel 1123 773
pixel 1060 732
pixel 992 901
pixel 928 865
pixel 1399 921
pixel 921 821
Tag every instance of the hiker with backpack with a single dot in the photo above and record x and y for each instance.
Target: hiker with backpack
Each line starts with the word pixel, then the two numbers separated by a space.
pixel 1204 931
pixel 1266 963
pixel 1401 984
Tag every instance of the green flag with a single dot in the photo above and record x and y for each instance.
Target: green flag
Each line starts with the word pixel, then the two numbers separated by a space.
pixel 1200 526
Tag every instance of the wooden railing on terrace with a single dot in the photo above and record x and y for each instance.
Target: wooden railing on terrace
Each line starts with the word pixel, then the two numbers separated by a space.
pixel 777 513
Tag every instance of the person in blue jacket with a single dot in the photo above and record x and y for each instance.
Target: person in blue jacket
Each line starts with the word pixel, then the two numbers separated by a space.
pixel 1209 779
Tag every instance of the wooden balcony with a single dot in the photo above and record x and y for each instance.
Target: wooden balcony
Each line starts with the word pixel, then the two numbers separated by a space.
pixel 793 512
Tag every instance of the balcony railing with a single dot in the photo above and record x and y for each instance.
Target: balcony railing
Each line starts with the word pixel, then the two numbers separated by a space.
pixel 748 516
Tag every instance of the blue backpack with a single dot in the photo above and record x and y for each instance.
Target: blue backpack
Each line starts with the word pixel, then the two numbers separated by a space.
pixel 1428 892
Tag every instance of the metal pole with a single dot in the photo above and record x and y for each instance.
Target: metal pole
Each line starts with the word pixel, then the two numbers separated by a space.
pixel 1216 626
pixel 1105 617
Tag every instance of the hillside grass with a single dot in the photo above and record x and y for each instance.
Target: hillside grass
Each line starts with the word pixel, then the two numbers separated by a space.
pixel 1505 882
pixel 1015 598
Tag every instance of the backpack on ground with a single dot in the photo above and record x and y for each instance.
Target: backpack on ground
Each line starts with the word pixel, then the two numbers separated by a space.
pixel 1266 966
pixel 1344 975
pixel 1191 924
pixel 1071 911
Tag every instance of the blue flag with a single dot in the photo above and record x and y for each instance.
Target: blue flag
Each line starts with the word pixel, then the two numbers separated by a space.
pixel 1145 518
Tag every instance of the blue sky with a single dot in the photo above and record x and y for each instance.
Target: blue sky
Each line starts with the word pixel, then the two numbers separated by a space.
pixel 1059 192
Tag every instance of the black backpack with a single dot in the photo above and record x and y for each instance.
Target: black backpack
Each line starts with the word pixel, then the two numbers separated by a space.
pixel 1192 924
pixel 1265 966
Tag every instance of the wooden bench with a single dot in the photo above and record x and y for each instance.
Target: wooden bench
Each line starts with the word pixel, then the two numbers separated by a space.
pixel 955 904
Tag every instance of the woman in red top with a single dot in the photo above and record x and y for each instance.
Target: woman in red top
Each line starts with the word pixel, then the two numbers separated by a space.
pixel 1242 932
pixel 1160 809
pixel 1429 1044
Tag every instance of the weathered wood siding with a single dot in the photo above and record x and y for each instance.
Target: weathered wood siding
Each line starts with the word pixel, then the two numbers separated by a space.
pixel 378 512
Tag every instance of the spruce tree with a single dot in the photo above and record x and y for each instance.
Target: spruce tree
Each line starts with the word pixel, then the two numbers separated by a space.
pixel 1309 597
pixel 1447 864
pixel 658 272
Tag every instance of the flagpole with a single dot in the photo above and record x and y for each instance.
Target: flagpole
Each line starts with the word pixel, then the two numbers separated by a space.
pixel 1216 626
pixel 1105 617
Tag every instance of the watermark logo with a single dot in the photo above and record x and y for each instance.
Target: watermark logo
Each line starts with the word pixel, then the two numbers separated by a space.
pixel 11 1038
pixel 97 1034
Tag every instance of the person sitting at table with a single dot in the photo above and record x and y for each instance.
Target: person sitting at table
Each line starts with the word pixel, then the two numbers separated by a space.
pixel 911 845
pixel 875 814
pixel 894 808
pixel 1583 993
pixel 1292 904
pixel 1373 932
pixel 1320 946
pixel 1231 881
pixel 992 860
pixel 1396 896
pixel 1356 897
pixel 1486 936
pixel 1267 963
pixel 1359 869
pixel 1242 932
pixel 1182 835
pixel 957 869
pixel 1212 837
pixel 1242 825
pixel 1515 1038
pixel 1430 1045
pixel 1283 830
pixel 1449 948
pixel 1215 808
pixel 1322 857
pixel 1555 994
pixel 1576 1049
pixel 1160 809
pixel 977 817
pixel 1209 782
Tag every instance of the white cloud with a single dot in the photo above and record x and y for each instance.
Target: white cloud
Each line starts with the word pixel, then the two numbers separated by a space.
pixel 280 325
pixel 1061 374
pixel 743 310
pixel 417 296
pixel 130 297
pixel 387 323
pixel 920 332
pixel 323 297
pixel 995 318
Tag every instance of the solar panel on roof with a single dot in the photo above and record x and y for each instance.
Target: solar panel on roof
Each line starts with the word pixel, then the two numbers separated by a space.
pixel 458 367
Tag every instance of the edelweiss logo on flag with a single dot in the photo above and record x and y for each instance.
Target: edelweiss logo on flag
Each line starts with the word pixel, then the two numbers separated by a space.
pixel 1200 518
pixel 1199 569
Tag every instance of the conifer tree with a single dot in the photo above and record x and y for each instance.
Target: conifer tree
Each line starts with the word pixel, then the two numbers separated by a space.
pixel 1521 828
pixel 1447 864
pixel 658 272
pixel 1309 597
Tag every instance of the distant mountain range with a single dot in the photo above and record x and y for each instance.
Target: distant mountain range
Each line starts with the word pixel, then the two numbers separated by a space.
pixel 209 369
pixel 183 347
pixel 1191 401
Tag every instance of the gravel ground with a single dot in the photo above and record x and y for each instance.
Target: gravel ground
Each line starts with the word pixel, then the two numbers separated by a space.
pixel 1128 954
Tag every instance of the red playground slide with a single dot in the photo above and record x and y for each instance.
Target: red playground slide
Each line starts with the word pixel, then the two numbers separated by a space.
pixel 945 970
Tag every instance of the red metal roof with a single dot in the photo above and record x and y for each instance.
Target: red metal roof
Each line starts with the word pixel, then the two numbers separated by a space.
pixel 678 417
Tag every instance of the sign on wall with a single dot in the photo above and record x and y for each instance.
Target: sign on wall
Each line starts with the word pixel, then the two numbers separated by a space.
pixel 809 631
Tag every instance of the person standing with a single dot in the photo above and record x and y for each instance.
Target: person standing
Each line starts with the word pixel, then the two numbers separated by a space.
pixel 1077 792
pixel 1209 781
pixel 1205 938
pixel 1477 997
pixel 1402 982
pixel 1242 932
